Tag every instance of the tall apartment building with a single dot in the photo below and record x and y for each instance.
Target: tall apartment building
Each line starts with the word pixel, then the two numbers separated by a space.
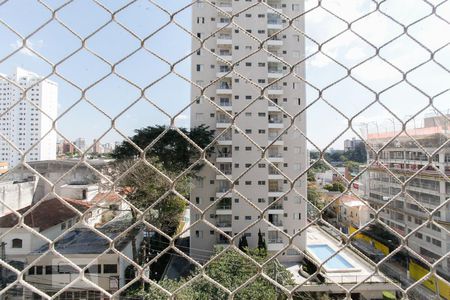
pixel 428 189
pixel 260 120
pixel 25 124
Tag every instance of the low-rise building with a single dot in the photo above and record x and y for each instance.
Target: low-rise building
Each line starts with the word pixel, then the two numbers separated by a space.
pixel 88 251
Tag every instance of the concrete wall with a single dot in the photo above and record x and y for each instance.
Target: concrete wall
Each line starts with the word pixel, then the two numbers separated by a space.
pixel 16 195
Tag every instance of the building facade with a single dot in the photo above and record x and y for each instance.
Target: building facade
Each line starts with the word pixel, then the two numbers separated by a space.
pixel 26 123
pixel 350 145
pixel 427 190
pixel 260 150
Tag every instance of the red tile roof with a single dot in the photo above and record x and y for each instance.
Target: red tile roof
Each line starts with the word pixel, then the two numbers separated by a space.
pixel 46 214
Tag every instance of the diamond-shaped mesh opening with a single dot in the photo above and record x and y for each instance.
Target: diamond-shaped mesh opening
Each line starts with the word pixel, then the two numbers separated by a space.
pixel 276 149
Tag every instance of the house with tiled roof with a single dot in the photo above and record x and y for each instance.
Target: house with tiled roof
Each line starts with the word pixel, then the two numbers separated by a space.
pixel 49 218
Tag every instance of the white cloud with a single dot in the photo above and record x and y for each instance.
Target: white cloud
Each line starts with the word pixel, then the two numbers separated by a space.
pixel 34 45
pixel 182 117
pixel 355 53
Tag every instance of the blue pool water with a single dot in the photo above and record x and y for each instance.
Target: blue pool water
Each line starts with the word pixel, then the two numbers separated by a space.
pixel 324 251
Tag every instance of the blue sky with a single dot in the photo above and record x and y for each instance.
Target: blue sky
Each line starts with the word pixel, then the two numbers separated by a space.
pixel 171 94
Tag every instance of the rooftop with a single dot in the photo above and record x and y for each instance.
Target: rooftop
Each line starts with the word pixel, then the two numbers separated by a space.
pixel 46 214
pixel 85 241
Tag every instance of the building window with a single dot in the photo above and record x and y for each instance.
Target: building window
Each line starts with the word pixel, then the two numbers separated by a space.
pixel 248 218
pixel 16 243
pixel 110 268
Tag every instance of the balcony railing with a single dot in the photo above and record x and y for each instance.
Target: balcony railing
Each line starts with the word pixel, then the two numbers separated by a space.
pixel 275 71
pixel 223 224
pixel 275 120
pixel 275 240
pixel 225 137
pixel 226 171
pixel 224 154
pixel 225 52
pixel 223 188
pixel 225 86
pixel 226 205
pixel 275 154
pixel 277 223
pixel 275 189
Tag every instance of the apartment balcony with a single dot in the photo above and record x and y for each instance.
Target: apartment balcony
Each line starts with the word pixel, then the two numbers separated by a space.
pixel 226 171
pixel 274 22
pixel 222 191
pixel 277 140
pixel 224 40
pixel 275 245
pixel 275 157
pixel 223 122
pixel 275 192
pixel 224 74
pixel 224 207
pixel 224 157
pixel 274 6
pixel 225 140
pixel 274 174
pixel 275 90
pixel 272 108
pixel 224 89
pixel 275 73
pixel 275 41
pixel 224 225
pixel 276 209
pixel 225 55
pixel 225 6
pixel 225 105
pixel 275 221
pixel 221 240
pixel 276 123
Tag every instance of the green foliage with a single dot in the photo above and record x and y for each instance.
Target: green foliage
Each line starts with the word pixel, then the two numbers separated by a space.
pixel 243 243
pixel 352 166
pixel 231 270
pixel 172 149
pixel 143 187
pixel 314 196
pixel 335 187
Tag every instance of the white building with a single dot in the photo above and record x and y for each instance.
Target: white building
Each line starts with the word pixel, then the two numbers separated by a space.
pixel 263 122
pixel 25 124
pixel 80 143
pixel 350 145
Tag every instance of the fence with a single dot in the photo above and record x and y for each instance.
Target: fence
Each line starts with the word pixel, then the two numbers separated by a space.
pixel 278 84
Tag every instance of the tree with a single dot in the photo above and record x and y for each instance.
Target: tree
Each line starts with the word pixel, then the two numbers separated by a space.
pixel 243 243
pixel 143 187
pixel 335 187
pixel 352 166
pixel 314 196
pixel 172 150
pixel 261 242
pixel 231 270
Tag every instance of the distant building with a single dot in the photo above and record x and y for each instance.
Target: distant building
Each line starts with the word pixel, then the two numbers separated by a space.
pixel 330 176
pixel 426 191
pixel 353 213
pixel 108 147
pixel 3 167
pixel 24 125
pixel 80 143
pixel 350 145
pixel 97 147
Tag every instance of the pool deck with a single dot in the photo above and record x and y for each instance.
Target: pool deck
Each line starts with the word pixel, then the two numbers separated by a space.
pixel 348 278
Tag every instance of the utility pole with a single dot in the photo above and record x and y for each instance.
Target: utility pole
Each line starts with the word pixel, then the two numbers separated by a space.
pixel 2 270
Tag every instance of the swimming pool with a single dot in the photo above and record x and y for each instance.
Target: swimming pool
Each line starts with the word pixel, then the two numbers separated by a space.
pixel 323 252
